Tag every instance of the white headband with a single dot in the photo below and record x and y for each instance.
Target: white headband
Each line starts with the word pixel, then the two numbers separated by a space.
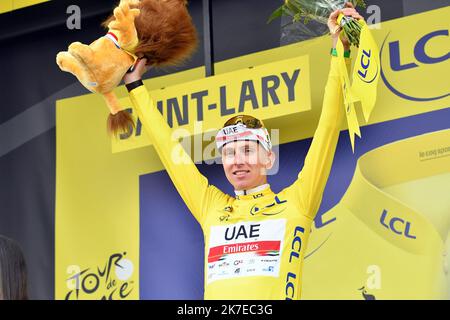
pixel 239 132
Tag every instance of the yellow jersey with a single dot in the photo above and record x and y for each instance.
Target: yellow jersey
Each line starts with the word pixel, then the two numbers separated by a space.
pixel 254 243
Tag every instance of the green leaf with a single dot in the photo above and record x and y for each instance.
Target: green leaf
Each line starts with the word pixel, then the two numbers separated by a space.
pixel 359 3
pixel 276 14
pixel 306 19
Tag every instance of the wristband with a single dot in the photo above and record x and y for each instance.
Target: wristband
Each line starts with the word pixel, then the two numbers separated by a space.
pixel 133 85
pixel 333 52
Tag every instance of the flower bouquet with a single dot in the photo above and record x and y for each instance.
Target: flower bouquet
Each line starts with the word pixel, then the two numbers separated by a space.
pixel 319 10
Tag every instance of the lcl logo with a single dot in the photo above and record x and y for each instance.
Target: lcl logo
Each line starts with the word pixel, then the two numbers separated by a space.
pixel 419 52
pixel 397 225
pixel 401 60
pixel 364 65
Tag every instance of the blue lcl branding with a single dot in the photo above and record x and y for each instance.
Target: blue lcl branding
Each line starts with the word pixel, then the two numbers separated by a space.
pixel 365 63
pixel 421 58
pixel 419 52
pixel 368 67
pixel 397 225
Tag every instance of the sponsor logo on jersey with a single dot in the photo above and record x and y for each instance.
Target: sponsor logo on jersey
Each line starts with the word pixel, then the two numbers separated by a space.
pixel 250 249
pixel 265 210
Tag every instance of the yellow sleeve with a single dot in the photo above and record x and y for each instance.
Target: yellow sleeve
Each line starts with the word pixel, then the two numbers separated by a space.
pixel 192 186
pixel 309 186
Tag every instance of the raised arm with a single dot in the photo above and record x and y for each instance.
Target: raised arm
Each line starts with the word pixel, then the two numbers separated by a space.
pixel 191 184
pixel 313 177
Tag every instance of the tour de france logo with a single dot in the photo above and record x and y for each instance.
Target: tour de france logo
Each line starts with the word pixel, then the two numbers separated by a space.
pixel 109 281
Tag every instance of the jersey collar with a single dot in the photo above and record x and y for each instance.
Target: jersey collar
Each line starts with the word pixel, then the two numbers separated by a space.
pixel 253 193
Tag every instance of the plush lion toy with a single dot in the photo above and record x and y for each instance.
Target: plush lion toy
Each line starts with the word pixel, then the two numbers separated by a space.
pixel 159 30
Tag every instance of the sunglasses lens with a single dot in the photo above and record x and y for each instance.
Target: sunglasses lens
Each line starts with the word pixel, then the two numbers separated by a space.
pixel 248 121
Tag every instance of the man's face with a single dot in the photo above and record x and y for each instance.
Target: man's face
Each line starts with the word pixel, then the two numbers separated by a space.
pixel 245 164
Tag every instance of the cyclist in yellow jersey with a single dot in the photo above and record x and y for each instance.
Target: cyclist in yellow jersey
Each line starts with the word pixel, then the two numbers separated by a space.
pixel 254 242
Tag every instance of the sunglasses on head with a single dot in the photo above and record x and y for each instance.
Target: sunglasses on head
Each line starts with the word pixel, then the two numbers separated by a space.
pixel 248 121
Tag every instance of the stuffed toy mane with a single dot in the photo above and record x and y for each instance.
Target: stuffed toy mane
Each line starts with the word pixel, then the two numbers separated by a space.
pixel 159 30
